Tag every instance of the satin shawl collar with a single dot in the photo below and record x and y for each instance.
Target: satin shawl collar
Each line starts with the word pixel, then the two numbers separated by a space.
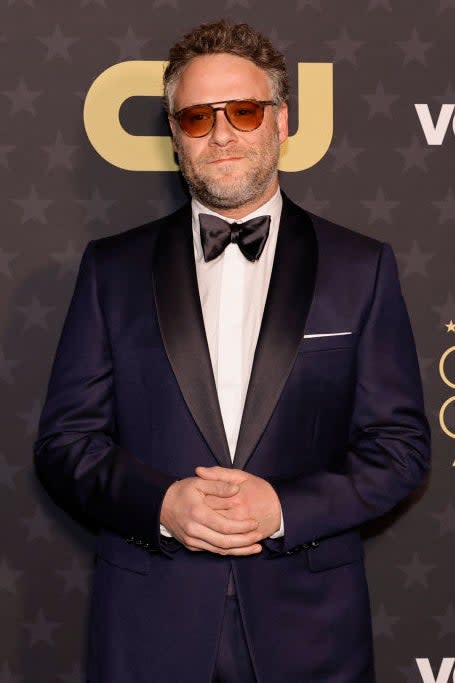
pixel 182 326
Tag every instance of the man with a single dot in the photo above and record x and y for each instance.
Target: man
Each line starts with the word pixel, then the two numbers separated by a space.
pixel 228 425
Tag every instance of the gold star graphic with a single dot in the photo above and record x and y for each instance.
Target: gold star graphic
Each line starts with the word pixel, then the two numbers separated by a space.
pixel 450 326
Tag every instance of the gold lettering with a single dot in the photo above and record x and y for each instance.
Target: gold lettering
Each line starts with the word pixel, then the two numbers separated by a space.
pixel 154 153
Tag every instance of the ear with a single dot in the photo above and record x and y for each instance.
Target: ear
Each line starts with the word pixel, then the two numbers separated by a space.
pixel 282 120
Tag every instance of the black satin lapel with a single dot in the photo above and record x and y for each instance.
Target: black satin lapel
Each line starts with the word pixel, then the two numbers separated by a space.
pixel 288 302
pixel 182 329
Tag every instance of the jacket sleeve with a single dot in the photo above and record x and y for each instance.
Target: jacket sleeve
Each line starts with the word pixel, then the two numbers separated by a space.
pixel 389 446
pixel 76 455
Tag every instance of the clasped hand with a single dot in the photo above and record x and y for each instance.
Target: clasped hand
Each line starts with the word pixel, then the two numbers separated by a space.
pixel 226 511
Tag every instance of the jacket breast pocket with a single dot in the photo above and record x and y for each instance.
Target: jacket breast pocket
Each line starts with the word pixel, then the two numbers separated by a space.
pixel 336 551
pixel 329 342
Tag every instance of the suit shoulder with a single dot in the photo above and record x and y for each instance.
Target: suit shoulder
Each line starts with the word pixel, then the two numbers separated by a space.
pixel 137 240
pixel 345 240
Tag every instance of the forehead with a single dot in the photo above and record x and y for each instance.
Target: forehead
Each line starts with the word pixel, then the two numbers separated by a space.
pixel 216 78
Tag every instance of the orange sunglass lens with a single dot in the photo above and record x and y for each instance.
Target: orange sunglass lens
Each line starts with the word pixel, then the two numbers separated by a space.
pixel 245 116
pixel 197 121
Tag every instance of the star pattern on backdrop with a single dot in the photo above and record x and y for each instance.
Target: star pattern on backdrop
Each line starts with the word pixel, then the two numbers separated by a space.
pixel 9 577
pixel 96 207
pixel 345 48
pixel 57 45
pixel 415 261
pixel 6 258
pixel 7 676
pixel 345 155
pixel 41 629
pixel 6 367
pixel 33 207
pixel 38 526
pixel 313 4
pixel 8 473
pixel 5 150
pixel 22 98
pixel 35 314
pixel 59 154
pixel 446 519
pixel 384 623
pixel 446 311
pixel 157 4
pixel 130 45
pixel 446 622
pixel 446 4
pixel 68 260
pixel 31 419
pixel 409 672
pixel 312 204
pixel 75 578
pixel 383 4
pixel 76 675
pixel 278 41
pixel 450 326
pixel 448 97
pixel 415 155
pixel 416 572
pixel 380 208
pixel 101 3
pixel 446 207
pixel 380 102
pixel 425 363
pixel 414 49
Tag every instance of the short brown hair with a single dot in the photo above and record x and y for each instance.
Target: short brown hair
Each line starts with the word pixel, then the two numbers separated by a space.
pixel 221 37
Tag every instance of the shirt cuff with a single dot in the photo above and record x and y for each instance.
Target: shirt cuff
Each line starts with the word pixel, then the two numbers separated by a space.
pixel 165 532
pixel 280 531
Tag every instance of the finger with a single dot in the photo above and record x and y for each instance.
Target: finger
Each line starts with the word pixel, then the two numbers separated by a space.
pixel 207 520
pixel 227 525
pixel 233 513
pixel 225 541
pixel 217 503
pixel 230 475
pixel 197 545
pixel 248 550
pixel 217 488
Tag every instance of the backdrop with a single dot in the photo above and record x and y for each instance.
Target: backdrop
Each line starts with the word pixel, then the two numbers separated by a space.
pixel 387 171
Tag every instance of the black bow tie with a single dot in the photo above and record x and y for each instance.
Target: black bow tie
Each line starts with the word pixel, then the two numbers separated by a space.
pixel 216 234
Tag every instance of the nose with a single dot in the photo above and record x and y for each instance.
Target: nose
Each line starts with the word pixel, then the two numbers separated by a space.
pixel 222 132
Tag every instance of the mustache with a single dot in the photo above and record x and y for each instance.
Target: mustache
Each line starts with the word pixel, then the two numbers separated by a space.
pixel 206 159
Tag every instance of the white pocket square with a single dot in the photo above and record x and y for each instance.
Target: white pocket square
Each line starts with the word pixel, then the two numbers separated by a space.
pixel 326 334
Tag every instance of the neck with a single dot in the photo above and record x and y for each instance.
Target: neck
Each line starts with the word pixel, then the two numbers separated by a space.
pixel 248 207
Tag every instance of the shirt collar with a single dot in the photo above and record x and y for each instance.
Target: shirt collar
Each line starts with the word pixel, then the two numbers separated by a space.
pixel 271 208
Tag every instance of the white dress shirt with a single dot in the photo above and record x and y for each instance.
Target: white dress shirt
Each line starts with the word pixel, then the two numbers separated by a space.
pixel 233 291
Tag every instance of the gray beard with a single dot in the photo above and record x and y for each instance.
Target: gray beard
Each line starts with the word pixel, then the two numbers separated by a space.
pixel 243 190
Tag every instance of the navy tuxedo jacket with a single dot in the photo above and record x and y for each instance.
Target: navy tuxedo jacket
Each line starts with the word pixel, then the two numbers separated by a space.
pixel 334 422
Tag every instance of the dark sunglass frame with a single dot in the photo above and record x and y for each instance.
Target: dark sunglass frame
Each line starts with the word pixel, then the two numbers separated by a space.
pixel 262 103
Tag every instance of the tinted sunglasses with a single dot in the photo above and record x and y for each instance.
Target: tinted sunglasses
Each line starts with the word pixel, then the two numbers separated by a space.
pixel 199 119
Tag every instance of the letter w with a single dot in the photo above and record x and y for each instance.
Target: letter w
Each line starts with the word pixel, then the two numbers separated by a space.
pixel 434 134
pixel 427 673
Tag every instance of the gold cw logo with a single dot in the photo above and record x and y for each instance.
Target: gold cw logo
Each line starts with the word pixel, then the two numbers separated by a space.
pixel 451 399
pixel 154 152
